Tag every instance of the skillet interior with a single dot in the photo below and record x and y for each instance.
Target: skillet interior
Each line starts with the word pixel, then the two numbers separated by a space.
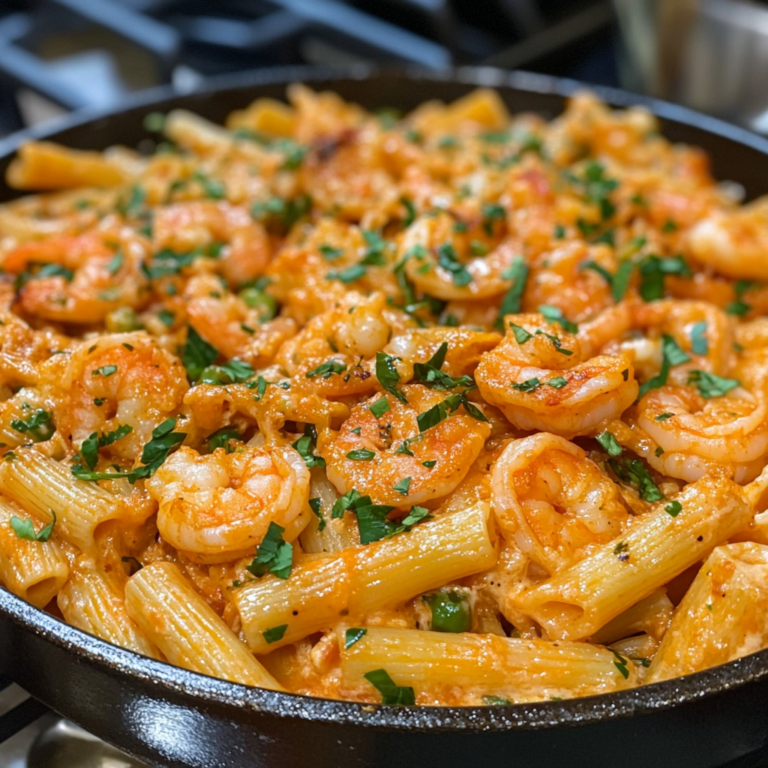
pixel 87 679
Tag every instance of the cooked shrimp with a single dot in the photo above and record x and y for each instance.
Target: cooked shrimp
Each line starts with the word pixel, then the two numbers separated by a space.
pixel 98 273
pixel 701 330
pixel 212 407
pixel 306 272
pixel 348 334
pixel 733 242
pixel 544 381
pixel 464 351
pixel 120 379
pixel 189 225
pixel 558 279
pixel 391 451
pixel 554 502
pixel 229 324
pixel 220 506
pixel 438 263
pixel 695 434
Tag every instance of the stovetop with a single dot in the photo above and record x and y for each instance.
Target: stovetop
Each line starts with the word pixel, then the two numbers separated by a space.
pixel 61 55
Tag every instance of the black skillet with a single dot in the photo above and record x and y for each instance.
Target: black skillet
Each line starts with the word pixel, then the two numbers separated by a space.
pixel 171 717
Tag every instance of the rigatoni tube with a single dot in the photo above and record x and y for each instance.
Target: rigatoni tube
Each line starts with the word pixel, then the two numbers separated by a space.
pixel 323 589
pixel 487 663
pixel 91 603
pixel 39 485
pixel 578 601
pixel 32 570
pixel 723 616
pixel 187 630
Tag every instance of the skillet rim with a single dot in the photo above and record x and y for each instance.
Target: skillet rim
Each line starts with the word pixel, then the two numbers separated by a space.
pixel 205 690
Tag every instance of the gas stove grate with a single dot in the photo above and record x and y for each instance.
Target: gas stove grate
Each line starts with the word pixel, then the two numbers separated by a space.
pixel 79 53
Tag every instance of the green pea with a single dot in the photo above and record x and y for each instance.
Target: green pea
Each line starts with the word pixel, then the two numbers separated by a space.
pixel 450 611
pixel 263 302
pixel 122 320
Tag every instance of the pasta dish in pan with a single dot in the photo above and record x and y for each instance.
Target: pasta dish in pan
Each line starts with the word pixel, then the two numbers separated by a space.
pixel 456 407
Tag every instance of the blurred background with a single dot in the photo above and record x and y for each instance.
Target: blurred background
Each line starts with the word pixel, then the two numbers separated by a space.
pixel 57 56
pixel 62 55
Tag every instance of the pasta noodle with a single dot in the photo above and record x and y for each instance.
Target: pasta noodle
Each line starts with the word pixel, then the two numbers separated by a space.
pixel 443 408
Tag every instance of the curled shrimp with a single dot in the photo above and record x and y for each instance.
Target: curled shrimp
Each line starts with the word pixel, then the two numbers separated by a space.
pixel 386 455
pixel 547 381
pixel 347 334
pixel 701 330
pixel 733 242
pixel 558 279
pixel 98 273
pixel 120 379
pixel 220 506
pixel 438 265
pixel 553 501
pixel 695 434
pixel 269 405
pixel 229 324
pixel 189 225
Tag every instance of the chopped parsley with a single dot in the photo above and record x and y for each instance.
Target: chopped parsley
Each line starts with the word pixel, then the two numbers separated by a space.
pixel 672 355
pixel 699 343
pixel 442 410
pixel 634 471
pixel 361 454
pixel 105 371
pixel 327 369
pixel 273 555
pixel 223 438
pixel 403 486
pixel 517 272
pixel 305 447
pixel 352 635
pixel 89 450
pixel 349 275
pixel 39 426
pixel 555 315
pixel 529 385
pixel 621 664
pixel 388 376
pixel 711 385
pixel 380 407
pixel 391 694
pixel 198 354
pixel 316 505
pixel 430 373
pixel 25 529
pixel 330 253
pixel 618 282
pixel 448 259
pixel 610 443
pixel 275 634
pixel 653 270
pixel 155 452
pixel 521 335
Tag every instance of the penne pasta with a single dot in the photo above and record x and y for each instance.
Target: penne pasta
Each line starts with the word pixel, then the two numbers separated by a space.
pixel 39 484
pixel 324 589
pixel 34 570
pixel 652 615
pixel 267 382
pixel 485 663
pixel 45 165
pixel 90 602
pixel 187 630
pixel 723 616
pixel 579 601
